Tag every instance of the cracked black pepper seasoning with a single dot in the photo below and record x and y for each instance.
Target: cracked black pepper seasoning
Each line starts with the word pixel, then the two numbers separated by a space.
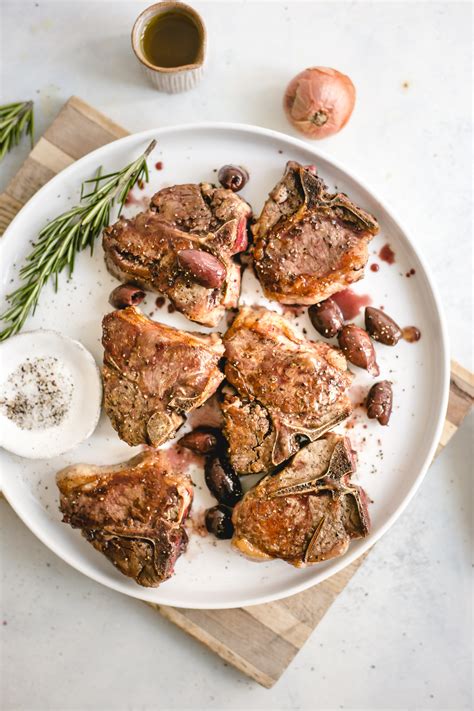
pixel 37 394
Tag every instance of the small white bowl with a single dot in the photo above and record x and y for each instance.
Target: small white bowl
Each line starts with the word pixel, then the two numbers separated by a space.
pixel 170 79
pixel 84 405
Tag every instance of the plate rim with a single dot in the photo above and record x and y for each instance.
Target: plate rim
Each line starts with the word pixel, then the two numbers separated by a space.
pixel 354 552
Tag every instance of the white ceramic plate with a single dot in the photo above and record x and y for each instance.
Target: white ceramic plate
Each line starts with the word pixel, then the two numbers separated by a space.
pixel 392 460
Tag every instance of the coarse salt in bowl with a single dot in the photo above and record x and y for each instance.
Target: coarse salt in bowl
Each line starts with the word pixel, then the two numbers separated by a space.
pixel 50 394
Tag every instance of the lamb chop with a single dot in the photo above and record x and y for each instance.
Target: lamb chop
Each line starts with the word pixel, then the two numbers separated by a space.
pixel 285 390
pixel 154 374
pixel 148 249
pixel 132 512
pixel 308 512
pixel 309 244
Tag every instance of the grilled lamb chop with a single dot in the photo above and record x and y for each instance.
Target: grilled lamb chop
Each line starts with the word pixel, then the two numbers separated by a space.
pixel 284 386
pixel 309 244
pixel 154 374
pixel 308 512
pixel 133 513
pixel 208 220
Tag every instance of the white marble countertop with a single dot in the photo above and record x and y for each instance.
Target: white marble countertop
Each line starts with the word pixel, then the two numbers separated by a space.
pixel 399 636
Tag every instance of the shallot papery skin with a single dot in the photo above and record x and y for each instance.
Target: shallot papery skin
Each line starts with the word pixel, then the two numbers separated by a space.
pixel 319 101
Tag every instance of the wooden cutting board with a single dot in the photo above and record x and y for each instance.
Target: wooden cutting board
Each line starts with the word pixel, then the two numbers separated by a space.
pixel 260 640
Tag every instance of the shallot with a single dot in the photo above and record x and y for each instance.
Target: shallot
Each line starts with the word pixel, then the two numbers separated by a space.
pixel 319 101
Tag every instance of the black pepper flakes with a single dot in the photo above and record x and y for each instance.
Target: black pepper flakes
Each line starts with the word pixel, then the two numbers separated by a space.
pixel 37 394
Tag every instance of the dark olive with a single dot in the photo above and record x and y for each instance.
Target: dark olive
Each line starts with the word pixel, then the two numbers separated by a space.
pixel 357 347
pixel 222 481
pixel 233 177
pixel 219 521
pixel 126 295
pixel 201 440
pixel 379 402
pixel 203 268
pixel 381 327
pixel 326 317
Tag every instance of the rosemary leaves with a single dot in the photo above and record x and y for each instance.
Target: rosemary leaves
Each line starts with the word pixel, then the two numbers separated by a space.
pixel 61 239
pixel 16 120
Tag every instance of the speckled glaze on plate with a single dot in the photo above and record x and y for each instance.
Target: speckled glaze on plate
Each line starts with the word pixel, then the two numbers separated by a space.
pixel 392 460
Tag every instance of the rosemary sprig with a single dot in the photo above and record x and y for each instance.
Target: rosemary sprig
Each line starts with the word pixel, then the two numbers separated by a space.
pixel 15 120
pixel 69 233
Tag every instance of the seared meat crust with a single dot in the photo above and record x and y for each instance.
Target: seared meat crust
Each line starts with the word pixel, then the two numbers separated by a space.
pixel 309 244
pixel 308 512
pixel 284 388
pixel 145 249
pixel 154 374
pixel 133 513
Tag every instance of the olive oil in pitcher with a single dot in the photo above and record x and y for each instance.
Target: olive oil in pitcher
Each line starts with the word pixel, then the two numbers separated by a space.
pixel 171 39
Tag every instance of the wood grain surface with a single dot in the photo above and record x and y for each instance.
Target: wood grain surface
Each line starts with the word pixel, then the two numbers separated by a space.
pixel 260 640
